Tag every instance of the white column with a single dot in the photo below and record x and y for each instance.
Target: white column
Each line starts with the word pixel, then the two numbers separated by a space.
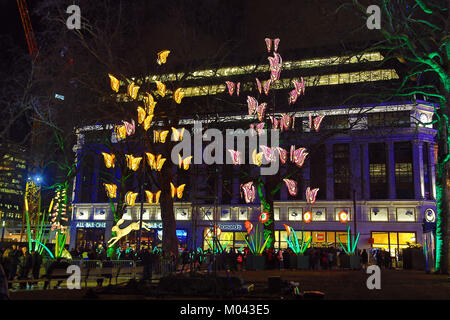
pixel 432 169
pixel 390 170
pixel 419 187
pixel 329 168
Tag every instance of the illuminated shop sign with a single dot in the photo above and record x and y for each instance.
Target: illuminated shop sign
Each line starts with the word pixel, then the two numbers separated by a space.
pixel 85 224
pixel 231 226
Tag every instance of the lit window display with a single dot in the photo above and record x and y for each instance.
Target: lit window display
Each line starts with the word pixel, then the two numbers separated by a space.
pixel 319 214
pixel 295 214
pixel 406 215
pixel 379 214
pixel 182 214
pixel 225 214
pixel 243 214
pixel 393 241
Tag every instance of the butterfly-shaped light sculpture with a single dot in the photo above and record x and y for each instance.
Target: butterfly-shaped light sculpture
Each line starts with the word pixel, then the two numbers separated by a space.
pixel 162 57
pixel 133 162
pixel 232 87
pixel 311 195
pixel 269 41
pixel 269 153
pixel 298 156
pixel 248 189
pixel 177 135
pixel 111 190
pixel 178 95
pixel 235 156
pixel 129 127
pixel 283 155
pixel 115 83
pixel 109 159
pixel 160 136
pixel 177 191
pixel 257 158
pixel 275 123
pixel 287 122
pixel 266 86
pixel 315 122
pixel 160 88
pixel 155 162
pixel 258 85
pixel 132 90
pixel 184 163
pixel 130 198
pixel 292 186
pixel 121 132
pixel 153 198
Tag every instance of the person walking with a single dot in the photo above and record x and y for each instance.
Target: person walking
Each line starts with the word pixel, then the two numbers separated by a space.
pixel 13 262
pixel 364 259
pixel 24 269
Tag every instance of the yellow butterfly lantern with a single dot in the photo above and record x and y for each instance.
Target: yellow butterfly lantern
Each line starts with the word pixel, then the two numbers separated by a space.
pixel 150 196
pixel 160 88
pixel 184 163
pixel 149 103
pixel 162 57
pixel 130 198
pixel 109 159
pixel 121 132
pixel 178 95
pixel 115 83
pixel 177 135
pixel 148 122
pixel 177 191
pixel 133 162
pixel 160 136
pixel 111 190
pixel 132 90
pixel 141 114
pixel 257 158
pixel 155 163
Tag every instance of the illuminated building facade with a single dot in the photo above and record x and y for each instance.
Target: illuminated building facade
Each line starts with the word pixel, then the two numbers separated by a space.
pixel 378 164
pixel 12 188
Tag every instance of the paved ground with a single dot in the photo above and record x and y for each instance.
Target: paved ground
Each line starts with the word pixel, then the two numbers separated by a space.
pixel 336 284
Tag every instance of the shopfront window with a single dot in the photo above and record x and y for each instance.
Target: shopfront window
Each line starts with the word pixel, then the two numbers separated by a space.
pixel 393 241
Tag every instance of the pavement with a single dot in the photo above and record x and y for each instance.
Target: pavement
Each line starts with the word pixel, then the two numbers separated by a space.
pixel 336 284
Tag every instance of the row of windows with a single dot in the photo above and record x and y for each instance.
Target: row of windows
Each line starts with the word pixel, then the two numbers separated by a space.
pixel 244 213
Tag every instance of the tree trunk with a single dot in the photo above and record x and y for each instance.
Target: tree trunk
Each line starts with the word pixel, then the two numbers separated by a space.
pixel 442 194
pixel 170 240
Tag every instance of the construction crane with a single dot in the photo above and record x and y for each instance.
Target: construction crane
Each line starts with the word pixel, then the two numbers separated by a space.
pixel 29 33
pixel 32 191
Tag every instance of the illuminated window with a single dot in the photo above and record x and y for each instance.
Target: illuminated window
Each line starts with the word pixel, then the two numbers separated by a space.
pixel 295 214
pixel 338 210
pixel 406 215
pixel 182 214
pixel 319 214
pixel 379 214
pixel 393 242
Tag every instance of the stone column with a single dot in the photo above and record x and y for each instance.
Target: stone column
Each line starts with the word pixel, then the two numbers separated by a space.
pixel 432 170
pixel 365 171
pixel 417 159
pixel 390 170
pixel 329 168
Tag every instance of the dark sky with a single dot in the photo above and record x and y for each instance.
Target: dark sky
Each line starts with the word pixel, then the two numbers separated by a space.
pixel 11 24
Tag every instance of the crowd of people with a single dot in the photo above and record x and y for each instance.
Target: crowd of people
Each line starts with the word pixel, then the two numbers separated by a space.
pixel 19 264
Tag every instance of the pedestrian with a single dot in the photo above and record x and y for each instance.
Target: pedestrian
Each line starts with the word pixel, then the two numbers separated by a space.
pixel 364 259
pixel 13 262
pixel 24 268
pixel 286 260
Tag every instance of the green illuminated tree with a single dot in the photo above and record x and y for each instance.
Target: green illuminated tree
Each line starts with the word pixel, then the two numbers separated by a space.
pixel 415 35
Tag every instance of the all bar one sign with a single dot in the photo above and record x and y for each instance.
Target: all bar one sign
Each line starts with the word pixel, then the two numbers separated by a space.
pixel 85 224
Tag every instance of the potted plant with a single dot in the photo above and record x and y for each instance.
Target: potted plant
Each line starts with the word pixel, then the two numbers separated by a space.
pixel 298 247
pixel 256 244
pixel 354 261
